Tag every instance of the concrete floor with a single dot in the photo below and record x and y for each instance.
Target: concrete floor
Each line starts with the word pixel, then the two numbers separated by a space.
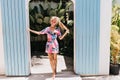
pixel 42 65
pixel 109 77
pixel 41 70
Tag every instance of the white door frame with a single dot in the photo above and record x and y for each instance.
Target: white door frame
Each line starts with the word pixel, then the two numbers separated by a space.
pixel 104 51
pixel 2 63
pixel 27 32
pixel 28 24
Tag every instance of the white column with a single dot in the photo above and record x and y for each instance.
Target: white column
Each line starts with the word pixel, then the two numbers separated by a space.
pixel 105 26
pixel 2 64
pixel 27 32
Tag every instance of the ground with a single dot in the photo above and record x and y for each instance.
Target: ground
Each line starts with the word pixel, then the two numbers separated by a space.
pixel 41 70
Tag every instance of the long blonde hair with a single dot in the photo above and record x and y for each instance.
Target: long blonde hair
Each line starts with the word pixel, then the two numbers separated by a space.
pixel 58 22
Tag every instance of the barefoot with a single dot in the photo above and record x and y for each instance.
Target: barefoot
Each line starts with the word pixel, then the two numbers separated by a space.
pixel 53 76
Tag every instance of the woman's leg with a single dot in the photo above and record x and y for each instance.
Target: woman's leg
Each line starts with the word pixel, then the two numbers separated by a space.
pixel 55 61
pixel 51 58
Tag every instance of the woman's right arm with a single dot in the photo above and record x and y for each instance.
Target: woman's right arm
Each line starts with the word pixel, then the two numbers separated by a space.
pixel 33 31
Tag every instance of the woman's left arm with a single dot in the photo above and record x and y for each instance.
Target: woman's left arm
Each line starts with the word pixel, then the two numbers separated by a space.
pixel 64 27
pixel 61 37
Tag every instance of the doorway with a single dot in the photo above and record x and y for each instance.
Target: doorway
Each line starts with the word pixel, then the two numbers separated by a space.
pixel 40 12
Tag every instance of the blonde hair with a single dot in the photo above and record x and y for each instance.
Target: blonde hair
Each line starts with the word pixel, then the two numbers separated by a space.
pixel 55 17
pixel 58 22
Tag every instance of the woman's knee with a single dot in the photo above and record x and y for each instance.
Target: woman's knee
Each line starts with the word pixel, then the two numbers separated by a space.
pixel 50 57
pixel 55 56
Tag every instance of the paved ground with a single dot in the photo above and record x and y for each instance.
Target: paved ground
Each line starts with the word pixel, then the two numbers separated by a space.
pixel 41 70
pixel 110 77
pixel 64 69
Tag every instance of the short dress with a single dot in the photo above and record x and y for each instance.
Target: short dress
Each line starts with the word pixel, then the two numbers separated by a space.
pixel 52 45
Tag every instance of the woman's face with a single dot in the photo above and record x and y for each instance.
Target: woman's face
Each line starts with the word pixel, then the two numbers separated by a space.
pixel 53 21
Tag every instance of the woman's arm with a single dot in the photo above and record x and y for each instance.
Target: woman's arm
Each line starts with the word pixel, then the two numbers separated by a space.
pixel 64 27
pixel 61 37
pixel 33 31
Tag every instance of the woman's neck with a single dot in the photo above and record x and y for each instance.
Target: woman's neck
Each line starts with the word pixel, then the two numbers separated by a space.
pixel 52 28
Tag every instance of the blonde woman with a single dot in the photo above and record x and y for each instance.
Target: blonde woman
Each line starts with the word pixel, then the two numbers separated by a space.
pixel 52 46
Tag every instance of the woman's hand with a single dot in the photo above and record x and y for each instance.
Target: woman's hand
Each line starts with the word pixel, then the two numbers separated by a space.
pixel 29 29
pixel 67 31
pixel 65 28
pixel 64 35
pixel 33 31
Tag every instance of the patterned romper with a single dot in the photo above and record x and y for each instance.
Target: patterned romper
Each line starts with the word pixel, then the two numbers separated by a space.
pixel 52 45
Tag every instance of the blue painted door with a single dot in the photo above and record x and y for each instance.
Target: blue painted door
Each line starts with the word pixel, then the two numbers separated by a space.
pixel 87 33
pixel 87 28
pixel 15 37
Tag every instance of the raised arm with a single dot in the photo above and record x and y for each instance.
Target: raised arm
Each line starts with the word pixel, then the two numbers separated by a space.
pixel 33 31
pixel 65 28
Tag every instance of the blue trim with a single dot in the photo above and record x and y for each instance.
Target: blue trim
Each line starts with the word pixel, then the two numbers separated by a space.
pixel 15 37
pixel 87 32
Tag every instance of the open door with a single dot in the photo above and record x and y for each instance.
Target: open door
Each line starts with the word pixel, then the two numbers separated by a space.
pixel 39 15
pixel 15 37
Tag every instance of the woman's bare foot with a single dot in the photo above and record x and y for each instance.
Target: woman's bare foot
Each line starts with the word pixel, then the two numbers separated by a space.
pixel 53 76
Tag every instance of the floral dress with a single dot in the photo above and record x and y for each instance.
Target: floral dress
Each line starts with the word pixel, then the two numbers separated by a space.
pixel 52 45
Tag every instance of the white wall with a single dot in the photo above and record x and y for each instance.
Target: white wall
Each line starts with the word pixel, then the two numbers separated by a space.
pixel 27 32
pixel 116 1
pixel 2 67
pixel 105 26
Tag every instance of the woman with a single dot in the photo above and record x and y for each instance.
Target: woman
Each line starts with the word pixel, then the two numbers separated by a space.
pixel 52 47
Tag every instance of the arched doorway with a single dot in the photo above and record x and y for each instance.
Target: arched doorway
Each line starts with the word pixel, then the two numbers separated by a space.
pixel 40 13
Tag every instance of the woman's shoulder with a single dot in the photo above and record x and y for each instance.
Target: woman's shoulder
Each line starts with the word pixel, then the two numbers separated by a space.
pixel 46 28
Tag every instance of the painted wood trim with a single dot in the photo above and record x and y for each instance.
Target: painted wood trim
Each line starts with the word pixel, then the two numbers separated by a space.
pixel 15 38
pixel 2 63
pixel 28 33
pixel 105 27
pixel 87 32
